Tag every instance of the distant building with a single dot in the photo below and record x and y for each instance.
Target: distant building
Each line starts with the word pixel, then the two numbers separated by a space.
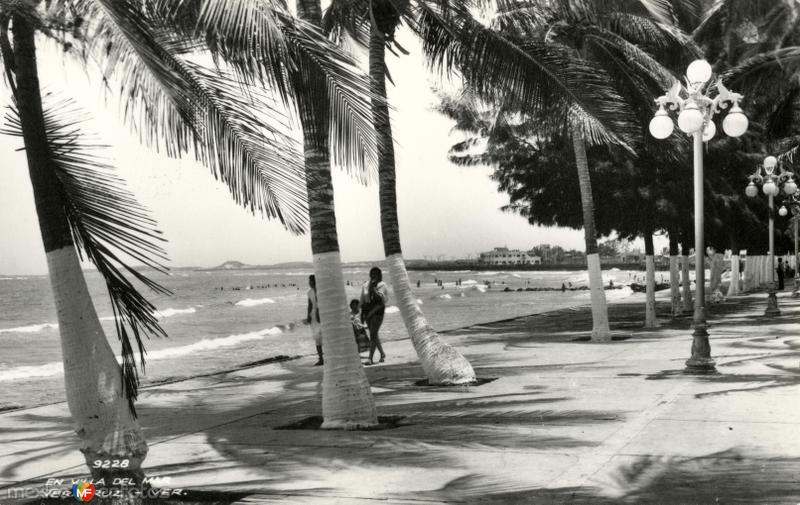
pixel 506 256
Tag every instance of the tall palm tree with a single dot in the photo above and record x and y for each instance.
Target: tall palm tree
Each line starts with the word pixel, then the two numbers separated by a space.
pixel 346 396
pixel 83 208
pixel 330 96
pixel 443 364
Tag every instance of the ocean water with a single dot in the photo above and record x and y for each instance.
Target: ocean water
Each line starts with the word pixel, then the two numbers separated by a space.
pixel 220 319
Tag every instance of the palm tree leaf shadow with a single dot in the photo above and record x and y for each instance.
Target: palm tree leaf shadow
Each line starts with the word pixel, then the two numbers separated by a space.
pixel 730 477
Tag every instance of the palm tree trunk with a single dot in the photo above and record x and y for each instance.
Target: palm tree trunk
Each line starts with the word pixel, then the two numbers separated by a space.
pixel 443 365
pixel 733 287
pixel 600 329
pixel 715 277
pixel 688 306
pixel 102 415
pixel 347 401
pixel 650 320
pixel 674 276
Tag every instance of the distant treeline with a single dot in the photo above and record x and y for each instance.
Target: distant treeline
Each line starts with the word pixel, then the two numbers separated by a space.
pixel 459 265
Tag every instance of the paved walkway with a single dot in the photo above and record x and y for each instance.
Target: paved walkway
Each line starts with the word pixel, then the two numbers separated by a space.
pixel 565 421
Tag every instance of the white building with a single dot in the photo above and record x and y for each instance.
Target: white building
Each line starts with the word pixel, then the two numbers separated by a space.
pixel 506 256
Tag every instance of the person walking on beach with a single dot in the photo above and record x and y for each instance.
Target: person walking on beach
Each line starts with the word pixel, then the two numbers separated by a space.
pixel 781 273
pixel 374 297
pixel 312 318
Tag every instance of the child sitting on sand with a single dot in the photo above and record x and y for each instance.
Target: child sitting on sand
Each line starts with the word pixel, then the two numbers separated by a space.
pixel 359 328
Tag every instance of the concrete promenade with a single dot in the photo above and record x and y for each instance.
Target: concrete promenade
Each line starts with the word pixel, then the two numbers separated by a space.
pixel 565 421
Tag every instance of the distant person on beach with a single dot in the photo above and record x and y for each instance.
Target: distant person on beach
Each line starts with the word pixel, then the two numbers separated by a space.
pixel 563 287
pixel 417 283
pixel 359 328
pixel 312 318
pixel 374 297
pixel 781 273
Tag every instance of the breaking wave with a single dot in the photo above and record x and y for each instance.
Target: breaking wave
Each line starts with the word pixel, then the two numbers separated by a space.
pixel 251 302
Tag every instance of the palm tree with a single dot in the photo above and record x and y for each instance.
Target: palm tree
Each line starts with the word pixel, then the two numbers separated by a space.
pixel 443 364
pixel 600 38
pixel 346 396
pixel 81 207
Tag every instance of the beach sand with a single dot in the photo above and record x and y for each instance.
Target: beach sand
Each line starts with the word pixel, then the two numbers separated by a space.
pixel 564 421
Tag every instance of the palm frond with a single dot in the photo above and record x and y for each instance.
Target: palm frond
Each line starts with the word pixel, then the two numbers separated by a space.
pixel 245 34
pixel 345 88
pixel 536 76
pixel 240 132
pixel 637 61
pixel 760 72
pixel 297 59
pixel 350 17
pixel 108 226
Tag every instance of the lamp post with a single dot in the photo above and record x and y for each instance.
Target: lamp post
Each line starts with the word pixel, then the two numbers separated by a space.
pixel 770 185
pixel 696 118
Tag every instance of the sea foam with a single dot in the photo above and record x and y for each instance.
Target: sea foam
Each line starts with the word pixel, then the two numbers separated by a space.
pixel 33 328
pixel 206 344
pixel 392 310
pixel 174 312
pixel 26 372
pixel 250 302
pixel 210 344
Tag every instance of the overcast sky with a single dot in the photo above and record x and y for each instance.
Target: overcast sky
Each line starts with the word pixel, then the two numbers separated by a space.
pixel 443 209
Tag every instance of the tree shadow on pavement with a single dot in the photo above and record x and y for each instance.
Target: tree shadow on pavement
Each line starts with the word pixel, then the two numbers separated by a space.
pixel 729 477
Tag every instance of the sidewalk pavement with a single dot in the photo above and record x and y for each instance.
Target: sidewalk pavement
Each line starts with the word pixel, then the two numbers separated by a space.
pixel 565 421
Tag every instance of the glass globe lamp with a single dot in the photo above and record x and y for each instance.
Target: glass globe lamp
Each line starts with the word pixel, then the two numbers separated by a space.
pixel 782 211
pixel 735 123
pixel 770 189
pixel 751 190
pixel 698 72
pixel 661 125
pixel 790 187
pixel 709 131
pixel 690 119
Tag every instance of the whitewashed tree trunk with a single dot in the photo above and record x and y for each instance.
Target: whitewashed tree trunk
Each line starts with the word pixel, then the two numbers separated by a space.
pixel 100 410
pixel 600 328
pixel 715 274
pixel 675 286
pixel 92 375
pixel 749 275
pixel 688 306
pixel 650 304
pixel 443 365
pixel 346 396
pixel 733 288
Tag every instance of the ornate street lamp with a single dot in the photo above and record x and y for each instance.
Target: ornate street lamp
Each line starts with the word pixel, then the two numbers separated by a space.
pixel 696 118
pixel 770 185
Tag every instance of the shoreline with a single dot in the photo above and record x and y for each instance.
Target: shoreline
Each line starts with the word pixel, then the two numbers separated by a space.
pixel 281 358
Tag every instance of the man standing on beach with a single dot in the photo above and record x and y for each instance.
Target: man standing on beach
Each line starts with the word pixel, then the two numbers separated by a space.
pixel 312 318
pixel 781 273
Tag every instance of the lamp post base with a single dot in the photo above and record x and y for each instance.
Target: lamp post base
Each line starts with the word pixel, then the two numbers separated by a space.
pixel 772 304
pixel 701 361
